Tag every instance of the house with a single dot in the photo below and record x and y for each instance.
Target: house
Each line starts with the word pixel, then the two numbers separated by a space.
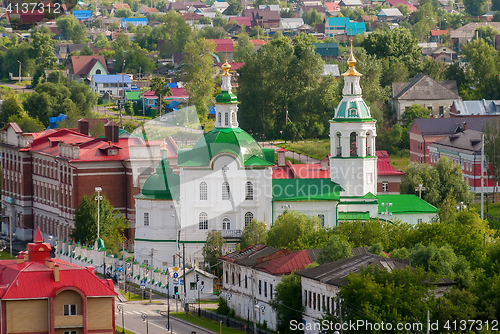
pixel 475 108
pixel 265 18
pixel 136 21
pixel 220 6
pixel 258 43
pixel 397 3
pixel 116 84
pixel 251 275
pixel 427 131
pixel 150 99
pixel 437 96
pixel 82 15
pixel 388 177
pixel 147 10
pixel 437 35
pixel 320 9
pixel 192 18
pixel 464 150
pixel 224 47
pixel 332 8
pixel 109 9
pixel 85 66
pixel 120 6
pixel 466 33
pixel 321 285
pixel 62 51
pixel 350 3
pixel 389 14
pixel 241 21
pixel 40 294
pixel 342 25
pixel 327 49
pixel 290 24
pixel 61 165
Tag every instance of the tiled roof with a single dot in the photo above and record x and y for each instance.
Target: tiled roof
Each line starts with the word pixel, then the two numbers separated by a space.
pixel 84 64
pixel 404 204
pixel 423 87
pixel 120 5
pixel 286 264
pixel 332 6
pixel 223 45
pixel 439 32
pixel 151 10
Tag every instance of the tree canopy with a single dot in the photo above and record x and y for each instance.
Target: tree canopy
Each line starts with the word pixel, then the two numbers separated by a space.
pixel 287 302
pixel 254 233
pixel 213 249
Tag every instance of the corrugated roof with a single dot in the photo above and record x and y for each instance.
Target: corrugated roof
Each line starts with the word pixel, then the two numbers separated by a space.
pixel 305 190
pixel 111 78
pixel 241 20
pixel 223 45
pixel 384 168
pixel 286 264
pixel 84 64
pixel 447 126
pixel 404 204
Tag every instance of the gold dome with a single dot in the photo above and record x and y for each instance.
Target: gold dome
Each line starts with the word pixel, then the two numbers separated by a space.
pixel 226 68
pixel 352 65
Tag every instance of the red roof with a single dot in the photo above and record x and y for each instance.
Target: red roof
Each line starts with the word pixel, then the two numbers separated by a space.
pixel 383 155
pixel 26 17
pixel 234 66
pixel 149 95
pixel 384 168
pixel 151 10
pixel 192 16
pixel 395 3
pixel 84 64
pixel 284 265
pixel 439 32
pixel 178 93
pixel 332 6
pixel 223 45
pixel 258 42
pixel 301 171
pixel 242 21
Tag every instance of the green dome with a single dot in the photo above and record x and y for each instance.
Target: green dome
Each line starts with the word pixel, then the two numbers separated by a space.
pixel 224 140
pixel 164 184
pixel 352 111
pixel 226 97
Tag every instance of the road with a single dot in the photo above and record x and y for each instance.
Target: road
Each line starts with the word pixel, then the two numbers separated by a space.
pixel 156 323
pixel 16 87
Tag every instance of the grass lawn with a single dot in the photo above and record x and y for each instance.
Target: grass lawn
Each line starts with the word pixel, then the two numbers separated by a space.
pixel 316 149
pixel 206 323
pixel 133 296
pixel 118 330
pixel 5 255
pixel 400 161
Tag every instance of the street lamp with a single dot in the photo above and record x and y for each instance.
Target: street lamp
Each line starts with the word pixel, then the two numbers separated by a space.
pixel 420 188
pixel 257 308
pixel 387 206
pixel 10 234
pixel 145 319
pixel 120 310
pixel 461 207
pixel 98 198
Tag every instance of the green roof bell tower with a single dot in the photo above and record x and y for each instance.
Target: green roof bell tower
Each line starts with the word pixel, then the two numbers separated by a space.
pixel 226 102
pixel 353 163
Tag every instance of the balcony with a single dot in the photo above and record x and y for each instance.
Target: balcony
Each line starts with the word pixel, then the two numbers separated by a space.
pixel 231 233
pixel 68 321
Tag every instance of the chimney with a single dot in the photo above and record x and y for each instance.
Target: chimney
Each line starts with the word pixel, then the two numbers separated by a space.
pixel 49 263
pixel 20 258
pixel 465 126
pixel 83 126
pixel 56 272
pixel 281 157
pixel 111 132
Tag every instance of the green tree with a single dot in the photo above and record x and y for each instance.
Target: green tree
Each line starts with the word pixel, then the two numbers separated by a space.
pixel 205 20
pixel 48 100
pixel 254 233
pixel 295 231
pixel 83 97
pixel 412 112
pixel 335 249
pixel 199 74
pixel 496 16
pixel 487 33
pixel 174 31
pixel 86 51
pixel 213 248
pixel 27 124
pixel 312 17
pixel 475 7
pixel 111 226
pixel 57 77
pixel 101 41
pixel 43 49
pixel 287 302
pixel 70 26
pixel 10 108
pixel 234 8
pixel 442 179
pixel 160 86
pixel 244 48
pixel 124 13
pixel 21 52
pixel 434 68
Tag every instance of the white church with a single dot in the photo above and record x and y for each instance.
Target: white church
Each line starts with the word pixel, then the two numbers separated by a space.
pixel 226 180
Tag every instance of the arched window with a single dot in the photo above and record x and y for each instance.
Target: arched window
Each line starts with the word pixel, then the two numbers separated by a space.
pixel 249 191
pixel 226 118
pixel 98 71
pixel 203 192
pixel 233 118
pixel 226 224
pixel 226 192
pixel 248 218
pixel 203 221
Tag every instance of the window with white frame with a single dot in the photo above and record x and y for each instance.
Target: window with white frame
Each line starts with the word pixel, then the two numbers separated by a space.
pixel 226 224
pixel 203 221
pixel 226 118
pixel 146 218
pixel 69 309
pixel 248 218
pixel 419 220
pixel 385 186
pixel 203 191
pixel 70 332
pixel 249 191
pixel 226 192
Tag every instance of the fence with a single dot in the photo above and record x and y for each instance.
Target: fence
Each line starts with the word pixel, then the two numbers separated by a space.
pixel 227 321
pixel 491 217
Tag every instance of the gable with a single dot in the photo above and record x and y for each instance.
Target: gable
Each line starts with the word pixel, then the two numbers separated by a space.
pixel 423 87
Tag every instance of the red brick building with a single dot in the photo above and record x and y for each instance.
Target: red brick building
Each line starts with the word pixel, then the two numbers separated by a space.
pixel 43 295
pixel 45 174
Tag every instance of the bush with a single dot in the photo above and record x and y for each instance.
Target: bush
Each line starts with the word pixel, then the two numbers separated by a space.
pixel 223 308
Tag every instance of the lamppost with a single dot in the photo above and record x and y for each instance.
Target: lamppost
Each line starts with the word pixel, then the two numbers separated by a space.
pixel 259 310
pixel 98 198
pixel 10 234
pixel 120 310
pixel 420 188
pixel 387 206
pixel 19 82
pixel 461 207
pixel 145 319
pixel 168 300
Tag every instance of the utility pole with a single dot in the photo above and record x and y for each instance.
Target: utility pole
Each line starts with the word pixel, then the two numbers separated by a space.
pixel 19 72
pixel 482 175
pixel 151 278
pixel 184 269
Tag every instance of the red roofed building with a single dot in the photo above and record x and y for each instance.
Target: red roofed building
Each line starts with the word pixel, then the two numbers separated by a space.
pixel 86 66
pixel 225 48
pixel 43 295
pixel 257 43
pixel 45 174
pixel 241 20
pixel 396 3
pixel 251 275
pixel 388 178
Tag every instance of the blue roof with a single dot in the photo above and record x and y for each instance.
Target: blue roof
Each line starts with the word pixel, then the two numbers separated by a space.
pixel 111 78
pixel 338 21
pixel 172 84
pixel 356 28
pixel 172 105
pixel 82 14
pixel 211 110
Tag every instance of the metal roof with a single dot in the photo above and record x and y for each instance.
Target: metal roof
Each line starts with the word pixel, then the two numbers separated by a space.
pixel 111 78
pixel 447 126
pixel 468 141
pixel 423 87
pixel 404 204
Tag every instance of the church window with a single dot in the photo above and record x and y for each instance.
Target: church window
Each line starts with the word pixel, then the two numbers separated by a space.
pixel 226 118
pixel 226 192
pixel 248 218
pixel 219 118
pixel 146 219
pixel 203 192
pixel 233 118
pixel 226 224
pixel 353 113
pixel 249 191
pixel 203 221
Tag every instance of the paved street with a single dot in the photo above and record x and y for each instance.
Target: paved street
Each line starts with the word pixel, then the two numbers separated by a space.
pixel 16 87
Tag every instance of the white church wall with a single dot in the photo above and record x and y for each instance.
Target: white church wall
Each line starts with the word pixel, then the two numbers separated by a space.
pixel 310 208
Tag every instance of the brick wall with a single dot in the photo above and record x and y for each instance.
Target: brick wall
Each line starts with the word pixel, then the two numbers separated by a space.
pixel 100 313
pixel 27 316
pixel 65 298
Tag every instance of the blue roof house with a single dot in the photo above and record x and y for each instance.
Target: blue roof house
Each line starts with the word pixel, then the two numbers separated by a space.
pixel 82 14
pixel 115 84
pixel 136 21
pixel 342 25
